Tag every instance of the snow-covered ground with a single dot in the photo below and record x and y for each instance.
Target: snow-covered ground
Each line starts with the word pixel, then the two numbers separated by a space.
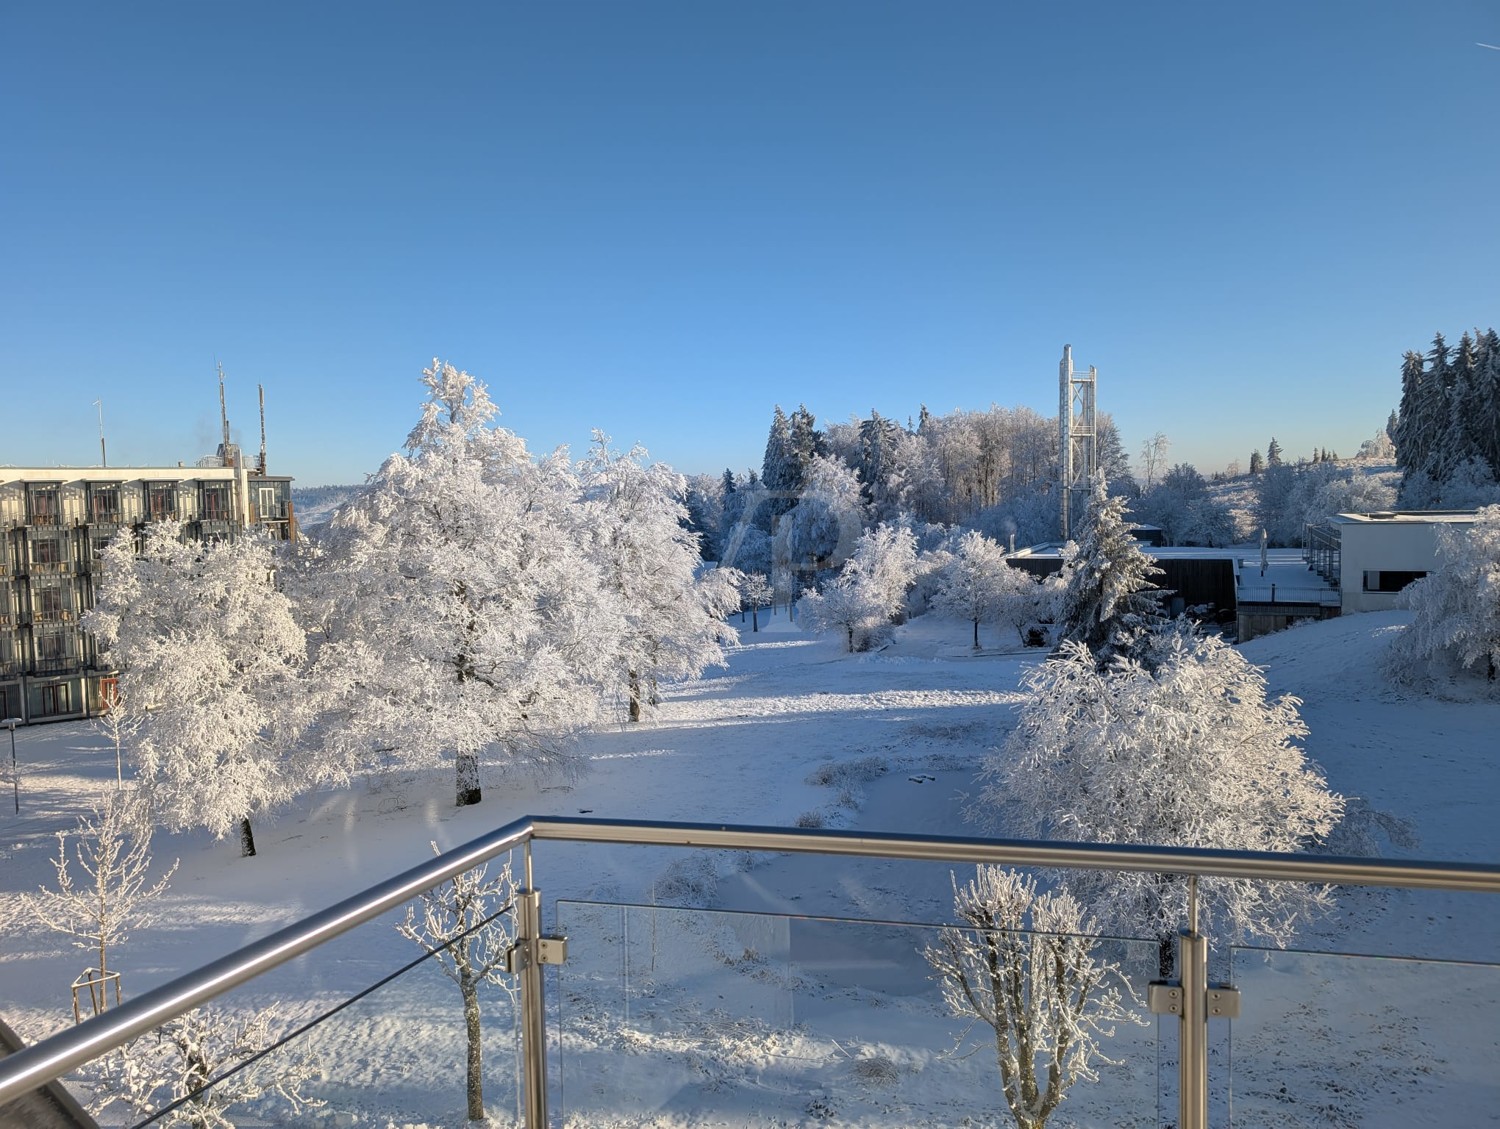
pixel 765 1011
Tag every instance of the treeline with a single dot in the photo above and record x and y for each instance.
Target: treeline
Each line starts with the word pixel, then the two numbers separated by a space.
pixel 817 489
pixel 1447 433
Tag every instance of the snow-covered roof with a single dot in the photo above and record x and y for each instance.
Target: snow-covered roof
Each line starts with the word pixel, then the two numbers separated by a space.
pixel 1409 517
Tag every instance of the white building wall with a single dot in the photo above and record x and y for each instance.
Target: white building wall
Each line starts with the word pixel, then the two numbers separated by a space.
pixel 1405 543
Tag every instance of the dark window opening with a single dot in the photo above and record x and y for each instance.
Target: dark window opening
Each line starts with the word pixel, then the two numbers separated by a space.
pixel 42 505
pixel 216 502
pixel 1389 581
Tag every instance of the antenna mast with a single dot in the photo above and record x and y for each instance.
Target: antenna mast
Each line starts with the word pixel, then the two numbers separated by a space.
pixel 103 460
pixel 261 388
pixel 224 419
pixel 1077 434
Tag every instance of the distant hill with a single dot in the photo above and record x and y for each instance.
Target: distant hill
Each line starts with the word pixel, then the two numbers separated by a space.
pixel 315 504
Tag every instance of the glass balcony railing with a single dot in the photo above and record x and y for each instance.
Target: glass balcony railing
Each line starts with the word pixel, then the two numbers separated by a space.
pixel 690 1015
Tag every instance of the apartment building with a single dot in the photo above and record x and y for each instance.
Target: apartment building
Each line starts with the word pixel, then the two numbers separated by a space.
pixel 55 522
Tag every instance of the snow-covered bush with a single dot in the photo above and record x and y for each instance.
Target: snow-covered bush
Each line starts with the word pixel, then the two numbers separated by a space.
pixel 1456 628
pixel 1180 749
pixel 1027 965
pixel 208 1061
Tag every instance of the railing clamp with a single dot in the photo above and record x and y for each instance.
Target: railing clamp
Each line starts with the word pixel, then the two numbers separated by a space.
pixel 549 950
pixel 1221 1001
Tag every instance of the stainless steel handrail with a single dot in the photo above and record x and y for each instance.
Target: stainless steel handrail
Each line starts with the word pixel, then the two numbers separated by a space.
pixel 51 1058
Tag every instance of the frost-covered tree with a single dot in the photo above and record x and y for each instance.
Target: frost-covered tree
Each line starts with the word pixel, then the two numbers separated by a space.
pixel 210 654
pixel 1028 966
pixel 203 1065
pixel 817 534
pixel 1182 749
pixel 886 558
pixel 1107 600
pixel 971 586
pixel 979 586
pixel 1154 458
pixel 463 613
pixel 469 924
pixel 674 618
pixel 1257 464
pixel 1456 627
pixel 849 604
pixel 1185 510
pixel 1273 453
pixel 756 593
pixel 114 894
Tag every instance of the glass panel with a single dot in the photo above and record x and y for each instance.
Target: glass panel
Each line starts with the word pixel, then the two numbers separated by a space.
pixel 366 1028
pixel 1331 1039
pixel 726 1018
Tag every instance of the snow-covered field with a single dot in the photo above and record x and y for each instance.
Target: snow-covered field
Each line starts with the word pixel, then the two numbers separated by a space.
pixel 764 1011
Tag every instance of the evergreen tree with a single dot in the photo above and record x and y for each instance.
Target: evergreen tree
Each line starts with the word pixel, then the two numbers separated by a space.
pixel 1257 464
pixel 1391 424
pixel 1273 453
pixel 1108 599
pixel 779 471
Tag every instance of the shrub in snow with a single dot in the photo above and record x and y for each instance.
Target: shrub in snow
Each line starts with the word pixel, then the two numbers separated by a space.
pixel 1027 965
pixel 469 924
pixel 1180 749
pixel 1456 628
pixel 200 1065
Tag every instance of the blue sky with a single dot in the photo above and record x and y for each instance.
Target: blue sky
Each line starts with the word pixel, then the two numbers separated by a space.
pixel 661 219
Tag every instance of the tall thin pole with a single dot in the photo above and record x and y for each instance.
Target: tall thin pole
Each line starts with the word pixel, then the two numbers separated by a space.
pixel 15 773
pixel 103 459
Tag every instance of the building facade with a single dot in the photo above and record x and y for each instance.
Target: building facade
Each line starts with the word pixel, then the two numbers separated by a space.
pixel 55 523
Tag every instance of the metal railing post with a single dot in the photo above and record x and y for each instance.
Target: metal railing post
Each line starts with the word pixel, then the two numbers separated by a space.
pixel 1192 1068
pixel 533 1013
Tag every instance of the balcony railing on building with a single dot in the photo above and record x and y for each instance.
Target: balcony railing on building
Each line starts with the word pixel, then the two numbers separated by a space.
pixel 659 1006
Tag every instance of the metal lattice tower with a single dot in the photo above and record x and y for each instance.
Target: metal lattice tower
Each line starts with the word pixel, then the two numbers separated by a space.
pixel 1079 439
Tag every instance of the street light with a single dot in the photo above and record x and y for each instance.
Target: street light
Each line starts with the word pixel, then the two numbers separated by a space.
pixel 15 776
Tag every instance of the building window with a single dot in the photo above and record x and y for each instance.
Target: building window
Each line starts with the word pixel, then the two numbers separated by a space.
pixel 104 503
pixel 265 506
pixel 42 505
pixel 54 700
pixel 216 501
pixel 47 552
pixel 1389 581
pixel 47 603
pixel 161 500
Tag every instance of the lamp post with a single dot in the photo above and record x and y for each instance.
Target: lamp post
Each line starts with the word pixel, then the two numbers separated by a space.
pixel 15 776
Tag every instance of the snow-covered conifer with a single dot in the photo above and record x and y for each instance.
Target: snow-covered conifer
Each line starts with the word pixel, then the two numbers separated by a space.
pixel 210 654
pixel 1182 749
pixel 819 532
pixel 1456 627
pixel 1107 600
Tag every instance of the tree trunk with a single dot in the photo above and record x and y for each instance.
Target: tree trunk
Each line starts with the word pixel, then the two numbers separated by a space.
pixel 476 1054
pixel 466 768
pixel 976 634
pixel 635 696
pixel 1166 956
pixel 247 839
pixel 754 619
